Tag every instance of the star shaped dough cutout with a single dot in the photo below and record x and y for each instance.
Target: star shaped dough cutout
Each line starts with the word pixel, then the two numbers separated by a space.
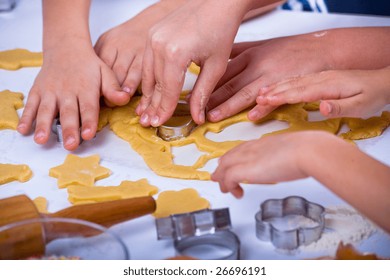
pixel 79 171
pixel 127 189
pixel 9 103
pixel 179 202
pixel 12 172
pixel 18 58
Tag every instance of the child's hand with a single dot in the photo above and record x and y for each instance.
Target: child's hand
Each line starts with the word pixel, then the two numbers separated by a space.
pixel 122 49
pixel 199 31
pixel 69 85
pixel 271 159
pixel 348 93
pixel 257 64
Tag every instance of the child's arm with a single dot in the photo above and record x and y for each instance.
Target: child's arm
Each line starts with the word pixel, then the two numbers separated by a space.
pixel 351 93
pixel 343 168
pixel 71 77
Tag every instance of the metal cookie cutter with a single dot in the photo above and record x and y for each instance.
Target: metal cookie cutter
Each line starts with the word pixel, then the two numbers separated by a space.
pixel 290 222
pixel 57 130
pixel 203 234
pixel 179 125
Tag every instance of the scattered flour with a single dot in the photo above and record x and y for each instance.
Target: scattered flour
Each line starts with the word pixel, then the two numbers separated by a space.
pixel 341 224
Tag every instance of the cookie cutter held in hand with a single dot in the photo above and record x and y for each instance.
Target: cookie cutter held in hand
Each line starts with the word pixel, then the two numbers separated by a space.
pixel 295 234
pixel 179 125
pixel 208 228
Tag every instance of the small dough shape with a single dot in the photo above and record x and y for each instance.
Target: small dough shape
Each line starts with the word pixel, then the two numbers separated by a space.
pixel 18 58
pixel 41 204
pixel 79 171
pixel 127 189
pixel 179 202
pixel 363 129
pixel 9 103
pixel 13 172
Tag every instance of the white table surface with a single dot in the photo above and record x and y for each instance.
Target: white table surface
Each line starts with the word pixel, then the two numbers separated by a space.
pixel 21 28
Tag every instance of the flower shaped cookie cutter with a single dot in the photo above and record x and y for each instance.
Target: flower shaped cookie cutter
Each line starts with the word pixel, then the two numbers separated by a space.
pixel 290 222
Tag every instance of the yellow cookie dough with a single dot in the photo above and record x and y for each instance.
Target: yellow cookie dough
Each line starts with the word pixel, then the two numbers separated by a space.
pixel 194 69
pixel 41 204
pixel 178 202
pixel 13 172
pixel 18 58
pixel 127 189
pixel 79 171
pixel 9 103
pixel 157 153
pixel 362 129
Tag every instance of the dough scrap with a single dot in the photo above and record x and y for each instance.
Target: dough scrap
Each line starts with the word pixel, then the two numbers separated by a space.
pixel 13 172
pixel 194 69
pixel 41 204
pixel 79 171
pixel 178 202
pixel 9 103
pixel 157 153
pixel 363 129
pixel 127 189
pixel 18 58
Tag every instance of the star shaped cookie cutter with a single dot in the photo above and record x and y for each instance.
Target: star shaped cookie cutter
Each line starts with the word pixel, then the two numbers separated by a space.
pixel 208 228
pixel 179 125
pixel 290 222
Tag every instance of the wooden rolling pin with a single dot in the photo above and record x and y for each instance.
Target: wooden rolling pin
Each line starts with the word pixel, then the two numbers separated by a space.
pixel 29 240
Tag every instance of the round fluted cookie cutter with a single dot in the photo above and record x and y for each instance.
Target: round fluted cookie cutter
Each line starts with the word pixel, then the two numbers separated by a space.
pixel 203 234
pixel 179 125
pixel 275 222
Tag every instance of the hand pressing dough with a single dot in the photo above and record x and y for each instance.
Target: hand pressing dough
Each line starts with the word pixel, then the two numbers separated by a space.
pixel 9 103
pixel 13 172
pixel 127 189
pixel 79 171
pixel 18 58
pixel 157 152
pixel 179 202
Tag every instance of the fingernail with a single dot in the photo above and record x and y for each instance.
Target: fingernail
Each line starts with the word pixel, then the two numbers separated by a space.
pixel 329 107
pixel 253 115
pixel 86 131
pixel 215 115
pixel 40 134
pixel 70 141
pixel 21 126
pixel 155 121
pixel 127 90
pixel 144 119
pixel 201 117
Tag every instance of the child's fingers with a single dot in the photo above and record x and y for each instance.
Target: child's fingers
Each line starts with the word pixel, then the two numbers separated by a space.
pixel 211 72
pixel 122 65
pixel 29 112
pixel 133 78
pixel 44 118
pixel 70 125
pixel 111 89
pixel 347 107
pixel 260 111
pixel 89 112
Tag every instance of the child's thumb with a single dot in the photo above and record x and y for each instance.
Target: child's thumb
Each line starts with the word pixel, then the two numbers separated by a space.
pixel 112 92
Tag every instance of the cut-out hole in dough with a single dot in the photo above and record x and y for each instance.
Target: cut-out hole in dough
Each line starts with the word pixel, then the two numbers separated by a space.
pixel 246 131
